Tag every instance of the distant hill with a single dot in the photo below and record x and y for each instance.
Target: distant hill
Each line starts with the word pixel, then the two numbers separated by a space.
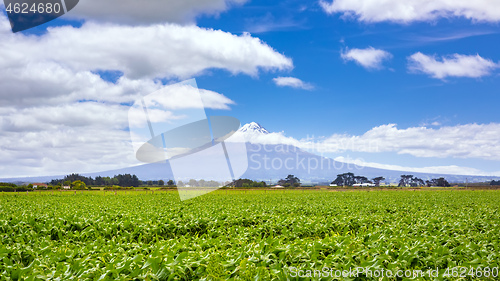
pixel 270 163
pixel 310 168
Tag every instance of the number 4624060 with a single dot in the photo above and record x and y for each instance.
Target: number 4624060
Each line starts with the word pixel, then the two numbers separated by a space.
pixel 41 8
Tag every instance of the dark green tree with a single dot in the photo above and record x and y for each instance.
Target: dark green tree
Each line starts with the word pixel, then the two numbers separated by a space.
pixel 346 179
pixel 377 180
pixel 290 180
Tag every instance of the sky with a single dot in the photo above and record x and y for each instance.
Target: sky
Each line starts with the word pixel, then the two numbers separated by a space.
pixel 408 85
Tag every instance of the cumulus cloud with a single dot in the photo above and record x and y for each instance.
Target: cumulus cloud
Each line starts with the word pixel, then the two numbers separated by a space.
pixel 414 10
pixel 292 82
pixel 470 141
pixel 165 50
pixel 461 141
pixel 369 58
pixel 151 11
pixel 58 115
pixel 455 65
pixel 444 170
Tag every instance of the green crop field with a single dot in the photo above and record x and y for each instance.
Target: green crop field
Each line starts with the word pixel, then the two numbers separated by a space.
pixel 248 235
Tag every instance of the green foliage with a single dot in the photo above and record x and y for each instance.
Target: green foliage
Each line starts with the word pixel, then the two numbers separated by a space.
pixel 346 179
pixel 78 185
pixel 441 182
pixel 410 181
pixel 121 180
pixel 245 235
pixel 290 180
pixel 246 183
pixel 10 187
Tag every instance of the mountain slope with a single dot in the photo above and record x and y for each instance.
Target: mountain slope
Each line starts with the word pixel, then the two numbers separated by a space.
pixel 271 162
pixel 253 127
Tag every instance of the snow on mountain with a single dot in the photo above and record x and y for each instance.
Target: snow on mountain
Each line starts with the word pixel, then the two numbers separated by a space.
pixel 253 127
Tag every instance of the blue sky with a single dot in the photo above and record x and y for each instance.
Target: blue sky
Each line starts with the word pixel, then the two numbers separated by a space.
pixel 349 98
pixel 436 78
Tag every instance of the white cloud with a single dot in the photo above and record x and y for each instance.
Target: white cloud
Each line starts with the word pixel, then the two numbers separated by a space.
pixel 414 10
pixel 470 141
pixel 461 141
pixel 444 170
pixel 369 58
pixel 58 116
pixel 151 11
pixel 451 66
pixel 292 82
pixel 54 140
pixel 165 50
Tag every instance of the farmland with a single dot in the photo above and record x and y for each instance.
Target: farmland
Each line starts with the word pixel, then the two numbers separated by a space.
pixel 244 235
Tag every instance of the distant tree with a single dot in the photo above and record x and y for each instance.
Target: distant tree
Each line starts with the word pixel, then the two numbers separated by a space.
pixel 99 181
pixel 193 183
pixel 347 179
pixel 405 180
pixel 67 183
pixel 410 180
pixel 495 182
pixel 377 180
pixel 441 182
pixel 244 183
pixel 170 183
pixel 290 180
pixel 78 185
pixel 361 179
pixel 180 183
pixel 161 183
pixel 417 182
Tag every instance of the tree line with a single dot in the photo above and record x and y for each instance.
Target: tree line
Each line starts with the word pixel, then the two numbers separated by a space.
pixel 125 180
pixel 350 179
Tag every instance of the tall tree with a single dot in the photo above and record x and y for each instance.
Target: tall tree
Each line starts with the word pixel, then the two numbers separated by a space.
pixel 377 180
pixel 405 180
pixel 290 180
pixel 361 179
pixel 441 182
pixel 410 180
pixel 346 179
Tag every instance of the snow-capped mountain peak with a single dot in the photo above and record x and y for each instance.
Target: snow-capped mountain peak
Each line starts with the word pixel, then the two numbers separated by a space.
pixel 253 127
